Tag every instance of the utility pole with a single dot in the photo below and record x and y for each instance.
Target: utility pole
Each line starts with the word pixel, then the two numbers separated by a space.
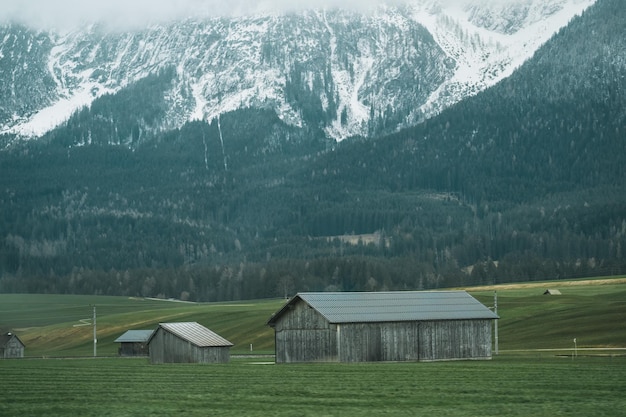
pixel 95 340
pixel 495 310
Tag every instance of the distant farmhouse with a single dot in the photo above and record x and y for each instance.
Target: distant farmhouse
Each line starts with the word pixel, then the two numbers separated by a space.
pixel 134 343
pixel 11 346
pixel 188 342
pixel 382 326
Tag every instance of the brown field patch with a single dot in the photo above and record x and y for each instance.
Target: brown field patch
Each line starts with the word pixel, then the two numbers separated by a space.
pixel 543 284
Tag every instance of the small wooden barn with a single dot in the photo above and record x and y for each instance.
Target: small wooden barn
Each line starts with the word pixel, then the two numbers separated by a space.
pixel 382 326
pixel 134 343
pixel 11 346
pixel 188 342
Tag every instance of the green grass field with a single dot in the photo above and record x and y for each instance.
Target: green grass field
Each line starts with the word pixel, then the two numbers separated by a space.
pixel 592 311
pixel 506 386
pixel 536 373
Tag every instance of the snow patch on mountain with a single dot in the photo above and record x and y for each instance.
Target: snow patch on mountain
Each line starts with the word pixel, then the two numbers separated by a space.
pixel 348 87
pixel 488 40
pixel 59 112
pixel 363 67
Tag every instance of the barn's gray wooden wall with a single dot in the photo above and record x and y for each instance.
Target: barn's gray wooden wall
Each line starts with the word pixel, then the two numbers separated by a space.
pixel 168 348
pixel 133 349
pixel 455 339
pixel 364 342
pixel 303 335
pixel 415 341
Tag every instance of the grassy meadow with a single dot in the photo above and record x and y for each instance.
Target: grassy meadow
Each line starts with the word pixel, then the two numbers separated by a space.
pixel 50 325
pixel 506 386
pixel 535 374
pixel 592 311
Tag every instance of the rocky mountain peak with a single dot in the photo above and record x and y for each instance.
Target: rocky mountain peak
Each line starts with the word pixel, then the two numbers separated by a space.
pixel 347 73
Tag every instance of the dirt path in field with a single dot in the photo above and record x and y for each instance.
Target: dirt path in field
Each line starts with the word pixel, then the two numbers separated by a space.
pixel 572 283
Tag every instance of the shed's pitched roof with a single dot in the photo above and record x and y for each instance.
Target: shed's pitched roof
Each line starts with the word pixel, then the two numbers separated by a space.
pixel 135 336
pixel 194 333
pixel 5 338
pixel 360 307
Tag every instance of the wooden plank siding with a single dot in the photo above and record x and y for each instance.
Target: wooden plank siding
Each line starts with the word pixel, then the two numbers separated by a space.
pixel 367 342
pixel 133 349
pixel 166 347
pixel 454 339
pixel 305 336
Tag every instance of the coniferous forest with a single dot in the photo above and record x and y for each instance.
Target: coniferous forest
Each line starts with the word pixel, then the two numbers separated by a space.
pixel 524 181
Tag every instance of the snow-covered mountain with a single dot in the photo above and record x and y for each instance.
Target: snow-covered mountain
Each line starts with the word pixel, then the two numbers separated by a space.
pixel 347 73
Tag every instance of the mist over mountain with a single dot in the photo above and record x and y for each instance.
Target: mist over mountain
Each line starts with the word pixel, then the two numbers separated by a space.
pixel 258 156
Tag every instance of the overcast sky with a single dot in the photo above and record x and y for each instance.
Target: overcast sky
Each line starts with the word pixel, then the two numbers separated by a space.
pixel 129 13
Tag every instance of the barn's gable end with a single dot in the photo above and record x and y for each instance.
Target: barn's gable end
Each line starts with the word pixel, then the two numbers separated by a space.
pixel 11 346
pixel 187 343
pixel 304 335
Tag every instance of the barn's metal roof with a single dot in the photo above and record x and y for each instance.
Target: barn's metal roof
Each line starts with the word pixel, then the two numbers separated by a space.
pixel 196 333
pixel 135 336
pixel 361 307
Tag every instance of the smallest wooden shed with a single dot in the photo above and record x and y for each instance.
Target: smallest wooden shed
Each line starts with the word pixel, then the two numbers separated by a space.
pixel 134 343
pixel 187 342
pixel 11 346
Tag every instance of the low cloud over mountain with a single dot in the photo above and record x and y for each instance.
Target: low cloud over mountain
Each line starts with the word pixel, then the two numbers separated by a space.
pixel 122 14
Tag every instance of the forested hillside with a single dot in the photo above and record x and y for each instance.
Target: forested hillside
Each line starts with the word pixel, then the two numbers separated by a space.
pixel 522 182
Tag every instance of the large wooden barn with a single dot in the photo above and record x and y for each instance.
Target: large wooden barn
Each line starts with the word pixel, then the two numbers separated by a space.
pixel 11 346
pixel 382 326
pixel 188 342
pixel 134 343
